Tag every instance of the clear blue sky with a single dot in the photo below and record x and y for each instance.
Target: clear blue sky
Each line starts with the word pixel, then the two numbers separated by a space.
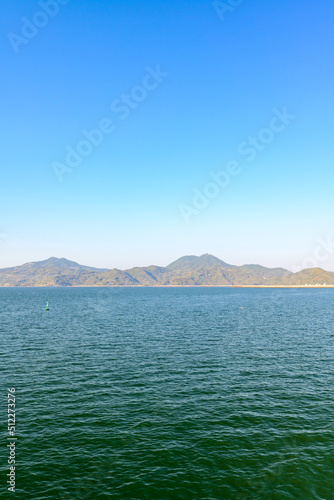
pixel 122 205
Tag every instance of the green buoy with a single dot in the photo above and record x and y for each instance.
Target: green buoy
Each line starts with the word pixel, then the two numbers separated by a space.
pixel 47 306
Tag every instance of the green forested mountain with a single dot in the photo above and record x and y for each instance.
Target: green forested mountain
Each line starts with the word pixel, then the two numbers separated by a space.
pixel 314 276
pixel 205 270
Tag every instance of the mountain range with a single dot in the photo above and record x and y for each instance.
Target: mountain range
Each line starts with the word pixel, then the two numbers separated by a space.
pixel 205 270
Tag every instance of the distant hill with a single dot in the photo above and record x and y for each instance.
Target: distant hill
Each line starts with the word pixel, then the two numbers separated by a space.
pixel 53 262
pixel 190 270
pixel 198 263
pixel 314 276
pixel 50 272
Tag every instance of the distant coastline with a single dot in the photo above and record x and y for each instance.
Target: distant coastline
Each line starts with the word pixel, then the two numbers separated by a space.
pixel 188 271
pixel 169 286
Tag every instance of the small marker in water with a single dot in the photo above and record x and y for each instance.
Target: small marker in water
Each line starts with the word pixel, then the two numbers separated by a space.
pixel 47 306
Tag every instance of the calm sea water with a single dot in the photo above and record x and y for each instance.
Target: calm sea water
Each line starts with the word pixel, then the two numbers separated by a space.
pixel 158 394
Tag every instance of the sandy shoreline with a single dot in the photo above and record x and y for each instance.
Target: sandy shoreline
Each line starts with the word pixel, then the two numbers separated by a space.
pixel 173 286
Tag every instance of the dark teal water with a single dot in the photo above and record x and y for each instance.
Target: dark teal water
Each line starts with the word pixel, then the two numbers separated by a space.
pixel 169 393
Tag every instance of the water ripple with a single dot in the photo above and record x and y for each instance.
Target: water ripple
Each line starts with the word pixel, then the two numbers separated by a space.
pixel 170 393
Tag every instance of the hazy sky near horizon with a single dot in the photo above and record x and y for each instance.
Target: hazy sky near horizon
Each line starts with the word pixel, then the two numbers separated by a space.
pixel 137 132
